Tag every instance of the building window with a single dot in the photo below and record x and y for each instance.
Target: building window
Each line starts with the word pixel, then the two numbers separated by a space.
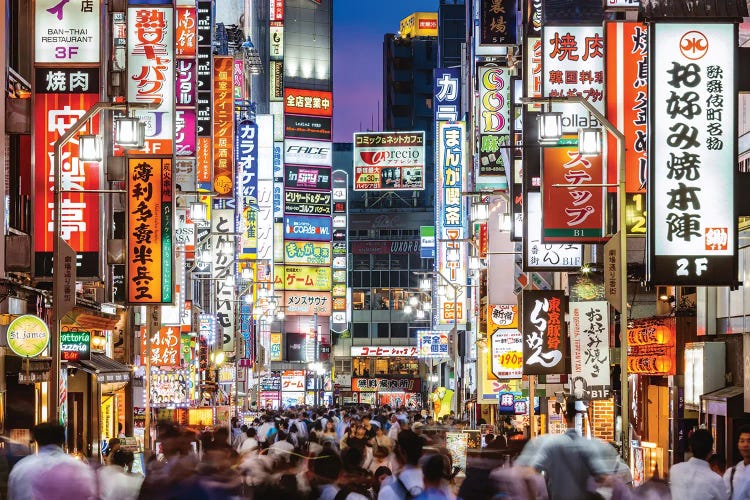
pixel 398 330
pixel 361 299
pixel 381 330
pixel 343 366
pixel 360 330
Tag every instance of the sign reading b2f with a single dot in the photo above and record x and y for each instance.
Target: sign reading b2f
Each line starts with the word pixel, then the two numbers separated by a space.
pixel 67 31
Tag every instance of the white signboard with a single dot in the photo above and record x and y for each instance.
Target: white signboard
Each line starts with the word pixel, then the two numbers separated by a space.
pixel 589 349
pixel 693 122
pixel 67 31
pixel 541 256
pixel 494 100
pixel 384 351
pixel 573 63
pixel 151 72
pixel 304 152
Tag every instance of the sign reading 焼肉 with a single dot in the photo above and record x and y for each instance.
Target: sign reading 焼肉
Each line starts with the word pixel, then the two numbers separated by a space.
pixel 693 150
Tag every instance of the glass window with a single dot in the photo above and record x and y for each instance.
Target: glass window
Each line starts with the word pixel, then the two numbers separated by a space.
pixel 361 299
pixel 374 278
pixel 381 366
pixel 381 330
pixel 362 262
pixel 360 330
pixel 362 367
pixel 398 330
pixel 380 299
pixel 398 299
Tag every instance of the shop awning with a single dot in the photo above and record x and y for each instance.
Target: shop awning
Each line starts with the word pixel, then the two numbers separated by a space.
pixel 106 369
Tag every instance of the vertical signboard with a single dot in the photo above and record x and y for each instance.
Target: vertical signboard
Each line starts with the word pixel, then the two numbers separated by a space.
pixel 692 223
pixel 223 127
pixel 447 94
pixel 573 64
pixel 62 97
pixel 223 239
pixel 544 332
pixel 265 187
pixel 204 115
pixel 497 25
pixel 151 73
pixel 589 350
pixel 494 100
pixel 67 32
pixel 149 207
pixel 505 355
pixel 339 313
pixel 451 178
pixel 246 149
pixel 572 214
pixel 545 257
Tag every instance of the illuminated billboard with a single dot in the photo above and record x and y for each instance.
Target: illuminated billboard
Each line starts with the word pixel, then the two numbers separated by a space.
pixel 419 24
pixel 389 161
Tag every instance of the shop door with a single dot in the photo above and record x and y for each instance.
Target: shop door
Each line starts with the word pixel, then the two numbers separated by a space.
pixel 75 422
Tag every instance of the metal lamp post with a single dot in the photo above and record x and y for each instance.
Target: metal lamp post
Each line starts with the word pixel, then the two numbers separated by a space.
pixel 621 217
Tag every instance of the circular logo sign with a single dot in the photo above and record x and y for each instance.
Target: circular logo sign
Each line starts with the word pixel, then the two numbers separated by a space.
pixel 693 45
pixel 28 336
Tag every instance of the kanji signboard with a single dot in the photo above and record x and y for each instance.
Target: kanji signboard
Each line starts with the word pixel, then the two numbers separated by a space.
pixel 589 350
pixel 544 332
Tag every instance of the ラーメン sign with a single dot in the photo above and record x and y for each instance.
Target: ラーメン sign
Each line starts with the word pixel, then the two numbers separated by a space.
pixel 28 336
pixel 693 130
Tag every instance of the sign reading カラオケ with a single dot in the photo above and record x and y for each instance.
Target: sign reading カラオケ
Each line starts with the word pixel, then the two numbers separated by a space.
pixel 693 129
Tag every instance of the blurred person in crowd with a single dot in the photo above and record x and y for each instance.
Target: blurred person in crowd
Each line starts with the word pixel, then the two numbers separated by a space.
pixel 323 474
pixel 355 477
pixel 240 438
pixel 380 475
pixel 436 474
pixel 250 444
pixel 173 475
pixel 718 464
pixel 113 445
pixel 568 460
pixel 381 439
pixel 51 473
pixel 116 481
pixel 694 479
pixel 283 446
pixel 408 482
pixel 738 474
pixel 394 429
pixel 369 428
pixel 330 430
pixel 265 430
pixel 381 457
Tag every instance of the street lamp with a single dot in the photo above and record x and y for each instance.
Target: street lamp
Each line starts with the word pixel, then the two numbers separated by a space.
pixel 130 132
pixel 90 147
pixel 550 125
pixel 198 212
pixel 621 217
pixel 589 141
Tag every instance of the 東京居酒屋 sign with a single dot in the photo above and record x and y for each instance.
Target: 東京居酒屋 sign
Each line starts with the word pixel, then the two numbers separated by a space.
pixel 693 130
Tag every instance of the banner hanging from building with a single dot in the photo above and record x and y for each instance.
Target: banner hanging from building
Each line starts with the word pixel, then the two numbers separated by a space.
pixel 589 350
pixel 544 332
pixel 693 123
pixel 150 223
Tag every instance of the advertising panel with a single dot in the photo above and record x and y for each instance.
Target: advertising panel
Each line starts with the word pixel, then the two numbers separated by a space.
pixel 165 346
pixel 186 39
pixel 589 350
pixel 506 343
pixel 627 99
pixel 307 227
pixel 75 345
pixel 384 351
pixel 275 356
pixel 276 36
pixel 419 24
pixel 494 100
pixel 307 303
pixel 573 64
pixel 451 181
pixel 544 332
pixel 385 161
pixel 307 202
pixel 302 278
pixel 386 384
pixel 293 380
pixel 545 257
pixel 223 127
pixel 433 344
pixel 186 82
pixel 28 336
pixel 572 214
pixel 497 25
pixel 308 102
pixel 222 229
pixel 169 388
pixel 184 128
pixel 692 223
pixel 149 205
pixel 54 114
pixel 307 177
pixel 151 73
pixel 307 127
pixel 246 150
pixel 304 152
pixel 447 94
pixel 67 32
pixel 307 252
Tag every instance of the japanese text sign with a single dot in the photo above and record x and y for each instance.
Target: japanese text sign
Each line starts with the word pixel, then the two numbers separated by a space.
pixel 692 222
pixel 67 31
pixel 572 214
pixel 539 256
pixel 447 92
pixel 302 278
pixel 165 346
pixel 246 152
pixel 544 332
pixel 386 161
pixel 505 355
pixel 494 100
pixel 186 39
pixel 498 22
pixel 383 384
pixel 589 350
pixel 307 303
pixel 223 109
pixel 433 344
pixel 384 351
pixel 222 227
pixel 150 219
pixel 308 102
pixel 151 73
pixel 307 252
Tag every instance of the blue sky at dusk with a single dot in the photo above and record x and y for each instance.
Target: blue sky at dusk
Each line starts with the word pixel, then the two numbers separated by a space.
pixel 358 29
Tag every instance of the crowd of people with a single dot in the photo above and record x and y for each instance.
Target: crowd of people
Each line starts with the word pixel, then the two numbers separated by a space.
pixel 361 454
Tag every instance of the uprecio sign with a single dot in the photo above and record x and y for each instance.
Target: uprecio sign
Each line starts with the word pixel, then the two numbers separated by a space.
pixel 306 227
pixel 303 152
pixel 307 177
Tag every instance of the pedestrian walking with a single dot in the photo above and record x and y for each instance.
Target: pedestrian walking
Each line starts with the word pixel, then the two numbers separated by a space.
pixel 694 479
